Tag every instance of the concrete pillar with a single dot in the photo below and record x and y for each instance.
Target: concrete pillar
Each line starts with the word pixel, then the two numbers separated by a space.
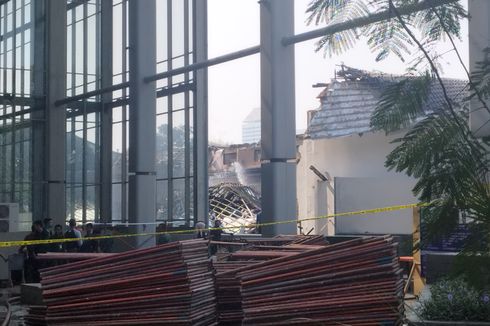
pixel 142 119
pixel 479 39
pixel 106 114
pixel 55 132
pixel 38 118
pixel 278 117
pixel 201 200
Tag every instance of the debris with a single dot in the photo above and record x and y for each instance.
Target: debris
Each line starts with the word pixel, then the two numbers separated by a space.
pixel 235 206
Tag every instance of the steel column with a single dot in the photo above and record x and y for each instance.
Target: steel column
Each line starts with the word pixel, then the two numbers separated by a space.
pixel 142 119
pixel 38 188
pixel 106 114
pixel 278 116
pixel 201 202
pixel 55 47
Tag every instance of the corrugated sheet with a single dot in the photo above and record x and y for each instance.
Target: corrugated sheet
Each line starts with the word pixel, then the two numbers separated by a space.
pixel 347 105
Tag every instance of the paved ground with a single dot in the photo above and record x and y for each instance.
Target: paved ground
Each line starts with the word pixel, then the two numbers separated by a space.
pixel 18 311
pixel 412 305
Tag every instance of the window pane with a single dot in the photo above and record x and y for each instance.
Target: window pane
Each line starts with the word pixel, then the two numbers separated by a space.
pixel 179 144
pixel 179 202
pixel 162 201
pixel 162 147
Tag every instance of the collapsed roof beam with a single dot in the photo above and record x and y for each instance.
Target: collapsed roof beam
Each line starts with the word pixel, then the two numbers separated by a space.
pixel 286 41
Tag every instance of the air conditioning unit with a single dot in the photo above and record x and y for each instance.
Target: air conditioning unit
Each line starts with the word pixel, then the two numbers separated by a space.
pixel 9 218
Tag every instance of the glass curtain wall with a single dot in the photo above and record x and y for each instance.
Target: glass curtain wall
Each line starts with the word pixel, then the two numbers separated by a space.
pixel 16 105
pixel 83 118
pixel 176 98
pixel 120 112
pixel 175 114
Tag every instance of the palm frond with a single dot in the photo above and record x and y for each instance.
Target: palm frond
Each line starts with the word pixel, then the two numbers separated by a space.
pixel 481 77
pixel 401 103
pixel 434 22
pixel 337 43
pixel 388 37
pixel 333 12
pixel 328 10
pixel 446 160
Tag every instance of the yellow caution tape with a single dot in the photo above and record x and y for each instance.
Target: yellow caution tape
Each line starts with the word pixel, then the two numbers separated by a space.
pixel 4 244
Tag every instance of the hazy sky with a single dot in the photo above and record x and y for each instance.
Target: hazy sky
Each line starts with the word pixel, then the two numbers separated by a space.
pixel 234 87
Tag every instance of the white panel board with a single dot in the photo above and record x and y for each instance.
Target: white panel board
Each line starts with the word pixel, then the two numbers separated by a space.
pixel 355 194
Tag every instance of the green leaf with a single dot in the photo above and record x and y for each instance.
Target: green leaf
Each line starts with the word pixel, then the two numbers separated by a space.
pixel 481 77
pixel 333 12
pixel 401 103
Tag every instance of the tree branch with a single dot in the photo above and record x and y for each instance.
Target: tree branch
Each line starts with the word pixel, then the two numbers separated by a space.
pixel 472 85
pixel 438 76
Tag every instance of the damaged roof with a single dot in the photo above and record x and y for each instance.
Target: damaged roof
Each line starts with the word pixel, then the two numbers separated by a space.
pixel 235 205
pixel 348 103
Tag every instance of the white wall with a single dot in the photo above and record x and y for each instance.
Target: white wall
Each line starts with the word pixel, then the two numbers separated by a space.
pixel 353 157
pixel 479 39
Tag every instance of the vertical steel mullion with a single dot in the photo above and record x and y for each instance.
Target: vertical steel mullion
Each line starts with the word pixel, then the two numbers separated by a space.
pixel 5 53
pixel 170 156
pixel 73 52
pixel 124 122
pixel 5 128
pixel 85 48
pixel 21 144
pixel 14 108
pixel 74 47
pixel 187 159
pixel 84 116
pixel 4 105
pixel 98 114
pixel 194 112
pixel 84 163
pixel 98 42
pixel 29 176
pixel 72 165
pixel 22 50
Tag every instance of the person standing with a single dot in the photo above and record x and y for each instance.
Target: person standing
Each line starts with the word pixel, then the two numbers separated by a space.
pixel 41 234
pixel 73 233
pixel 29 257
pixel 31 264
pixel 200 230
pixel 48 225
pixel 215 235
pixel 90 245
pixel 58 234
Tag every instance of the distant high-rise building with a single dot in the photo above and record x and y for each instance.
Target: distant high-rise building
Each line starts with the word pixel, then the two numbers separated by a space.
pixel 251 127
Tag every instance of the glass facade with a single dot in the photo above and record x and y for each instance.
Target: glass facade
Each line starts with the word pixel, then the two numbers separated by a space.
pixel 90 118
pixel 175 113
pixel 16 104
pixel 83 119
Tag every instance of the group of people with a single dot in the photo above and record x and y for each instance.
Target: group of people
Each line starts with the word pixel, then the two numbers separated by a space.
pixel 44 230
